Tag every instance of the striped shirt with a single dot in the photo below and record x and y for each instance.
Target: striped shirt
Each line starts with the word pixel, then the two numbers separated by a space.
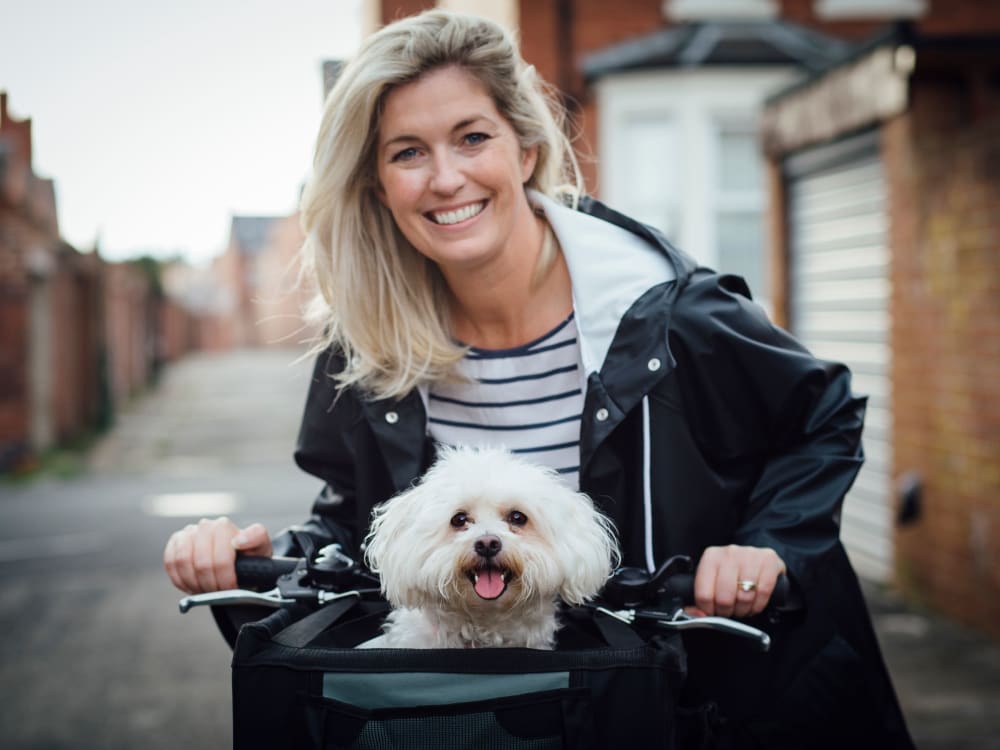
pixel 527 399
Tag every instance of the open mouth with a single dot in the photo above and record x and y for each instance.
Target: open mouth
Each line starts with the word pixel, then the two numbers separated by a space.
pixel 489 582
pixel 447 218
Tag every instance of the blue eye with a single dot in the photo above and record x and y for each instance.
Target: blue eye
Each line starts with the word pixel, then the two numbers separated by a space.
pixel 474 139
pixel 405 155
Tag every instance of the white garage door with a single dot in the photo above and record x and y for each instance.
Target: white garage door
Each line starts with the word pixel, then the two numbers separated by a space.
pixel 840 310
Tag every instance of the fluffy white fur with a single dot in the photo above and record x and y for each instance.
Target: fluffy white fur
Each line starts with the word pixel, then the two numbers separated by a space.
pixel 423 544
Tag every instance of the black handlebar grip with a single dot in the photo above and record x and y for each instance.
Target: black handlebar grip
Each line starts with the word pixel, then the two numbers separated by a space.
pixel 254 572
pixel 681 586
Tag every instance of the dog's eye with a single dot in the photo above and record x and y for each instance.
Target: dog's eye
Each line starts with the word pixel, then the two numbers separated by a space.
pixel 516 518
pixel 459 520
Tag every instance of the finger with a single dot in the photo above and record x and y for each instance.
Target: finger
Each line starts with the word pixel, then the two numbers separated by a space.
pixel 170 564
pixel 183 554
pixel 725 583
pixel 204 557
pixel 253 540
pixel 704 581
pixel 746 601
pixel 224 557
pixel 772 567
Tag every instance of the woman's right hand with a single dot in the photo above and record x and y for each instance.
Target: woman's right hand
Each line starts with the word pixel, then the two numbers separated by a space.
pixel 202 557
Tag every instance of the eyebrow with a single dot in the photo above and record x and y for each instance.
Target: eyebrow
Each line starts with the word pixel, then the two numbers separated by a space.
pixel 464 123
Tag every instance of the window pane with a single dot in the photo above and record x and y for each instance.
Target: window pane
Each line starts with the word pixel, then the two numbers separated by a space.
pixel 651 166
pixel 726 10
pixel 739 161
pixel 741 247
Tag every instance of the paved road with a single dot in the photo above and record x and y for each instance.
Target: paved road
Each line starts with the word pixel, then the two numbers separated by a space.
pixel 95 655
pixel 94 652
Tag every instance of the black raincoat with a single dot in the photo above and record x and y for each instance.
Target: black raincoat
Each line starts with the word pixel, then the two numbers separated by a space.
pixel 703 425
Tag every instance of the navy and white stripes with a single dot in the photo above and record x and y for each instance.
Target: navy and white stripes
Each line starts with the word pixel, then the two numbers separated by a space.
pixel 528 399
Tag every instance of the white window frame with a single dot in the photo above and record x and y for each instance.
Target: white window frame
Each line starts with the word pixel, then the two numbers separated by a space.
pixel 744 201
pixel 703 10
pixel 694 100
pixel 668 194
pixel 840 10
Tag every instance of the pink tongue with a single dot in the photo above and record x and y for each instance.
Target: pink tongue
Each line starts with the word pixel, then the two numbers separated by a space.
pixel 490 584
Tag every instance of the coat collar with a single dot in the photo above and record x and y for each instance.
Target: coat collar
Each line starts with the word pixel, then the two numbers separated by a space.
pixel 610 267
pixel 625 278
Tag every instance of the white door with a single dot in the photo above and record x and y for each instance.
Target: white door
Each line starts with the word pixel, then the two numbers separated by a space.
pixel 839 294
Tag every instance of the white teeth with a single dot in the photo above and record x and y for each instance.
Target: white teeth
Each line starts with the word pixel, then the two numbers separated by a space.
pixel 461 214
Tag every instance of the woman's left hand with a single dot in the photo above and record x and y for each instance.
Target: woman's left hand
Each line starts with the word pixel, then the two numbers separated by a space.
pixel 736 581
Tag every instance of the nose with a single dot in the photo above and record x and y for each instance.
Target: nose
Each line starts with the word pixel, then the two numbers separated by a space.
pixel 447 177
pixel 488 546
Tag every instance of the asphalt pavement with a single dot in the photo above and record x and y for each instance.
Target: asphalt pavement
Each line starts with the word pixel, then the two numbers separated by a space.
pixel 94 653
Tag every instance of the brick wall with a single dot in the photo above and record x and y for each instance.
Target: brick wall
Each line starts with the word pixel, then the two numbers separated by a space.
pixel 943 165
pixel 14 415
pixel 392 10
pixel 281 296
pixel 557 51
pixel 129 330
pixel 178 330
pixel 75 334
pixel 28 234
pixel 596 24
pixel 14 311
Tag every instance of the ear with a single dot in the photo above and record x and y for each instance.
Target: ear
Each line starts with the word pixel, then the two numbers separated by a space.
pixel 387 549
pixel 588 550
pixel 529 160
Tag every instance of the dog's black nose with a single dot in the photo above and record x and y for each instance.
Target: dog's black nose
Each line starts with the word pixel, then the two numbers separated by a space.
pixel 488 545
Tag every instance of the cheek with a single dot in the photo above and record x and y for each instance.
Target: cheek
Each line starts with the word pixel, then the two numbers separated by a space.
pixel 397 191
pixel 530 542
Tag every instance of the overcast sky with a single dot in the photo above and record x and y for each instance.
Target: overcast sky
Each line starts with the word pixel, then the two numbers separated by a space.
pixel 159 120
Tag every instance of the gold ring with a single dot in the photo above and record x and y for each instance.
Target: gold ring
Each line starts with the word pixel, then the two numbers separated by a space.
pixel 746 586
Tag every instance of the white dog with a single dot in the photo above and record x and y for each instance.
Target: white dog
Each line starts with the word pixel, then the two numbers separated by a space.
pixel 478 553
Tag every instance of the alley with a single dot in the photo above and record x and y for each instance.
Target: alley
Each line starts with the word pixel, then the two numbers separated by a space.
pixel 95 654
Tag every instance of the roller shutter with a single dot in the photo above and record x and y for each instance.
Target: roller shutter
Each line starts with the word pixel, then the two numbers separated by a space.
pixel 839 308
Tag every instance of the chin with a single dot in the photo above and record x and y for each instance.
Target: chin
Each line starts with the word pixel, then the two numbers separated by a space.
pixel 481 552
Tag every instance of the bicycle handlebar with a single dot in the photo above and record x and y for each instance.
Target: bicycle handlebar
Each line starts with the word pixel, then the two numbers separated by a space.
pixel 633 587
pixel 262 572
pixel 631 595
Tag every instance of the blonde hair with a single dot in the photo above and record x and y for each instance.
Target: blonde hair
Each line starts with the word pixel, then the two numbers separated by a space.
pixel 381 302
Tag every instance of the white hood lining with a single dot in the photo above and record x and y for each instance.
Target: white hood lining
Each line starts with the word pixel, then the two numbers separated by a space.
pixel 604 289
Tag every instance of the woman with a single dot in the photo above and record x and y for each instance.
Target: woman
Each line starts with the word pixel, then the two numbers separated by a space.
pixel 466 297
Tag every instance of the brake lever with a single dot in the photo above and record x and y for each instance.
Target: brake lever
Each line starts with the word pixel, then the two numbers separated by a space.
pixel 303 584
pixel 678 619
pixel 681 620
pixel 272 598
pixel 229 597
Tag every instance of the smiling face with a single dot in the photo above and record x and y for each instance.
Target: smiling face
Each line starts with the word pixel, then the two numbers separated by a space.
pixel 491 543
pixel 451 171
pixel 486 531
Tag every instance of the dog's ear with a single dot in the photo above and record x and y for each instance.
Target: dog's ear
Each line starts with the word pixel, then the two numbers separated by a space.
pixel 587 549
pixel 388 547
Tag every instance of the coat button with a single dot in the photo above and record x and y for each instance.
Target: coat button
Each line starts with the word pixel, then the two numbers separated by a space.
pixel 391 417
pixel 653 364
pixel 602 415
